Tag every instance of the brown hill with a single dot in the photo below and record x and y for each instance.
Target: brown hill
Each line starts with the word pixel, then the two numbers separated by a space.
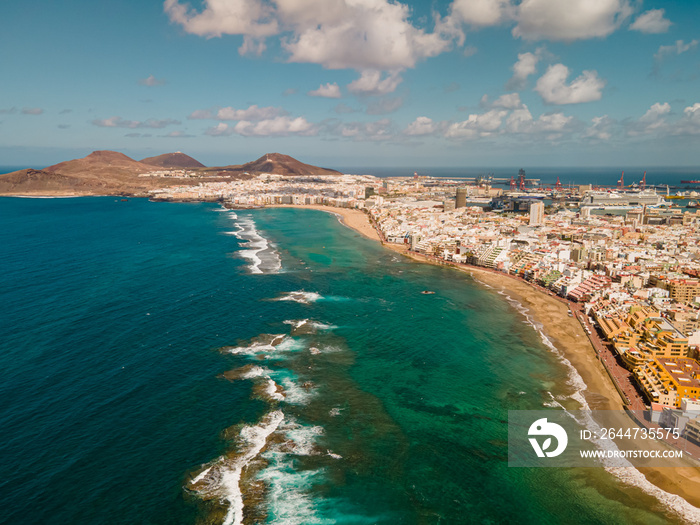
pixel 39 181
pixel 173 160
pixel 113 162
pixel 279 164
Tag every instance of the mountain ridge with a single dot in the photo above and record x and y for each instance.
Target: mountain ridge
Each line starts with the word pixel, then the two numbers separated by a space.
pixel 107 172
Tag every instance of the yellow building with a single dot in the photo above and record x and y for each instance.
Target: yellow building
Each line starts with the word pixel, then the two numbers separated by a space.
pixel 668 381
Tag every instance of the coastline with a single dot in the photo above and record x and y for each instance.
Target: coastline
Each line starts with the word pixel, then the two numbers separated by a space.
pixel 350 217
pixel 569 337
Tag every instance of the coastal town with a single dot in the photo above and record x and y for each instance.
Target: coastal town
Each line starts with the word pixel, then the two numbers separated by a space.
pixel 629 272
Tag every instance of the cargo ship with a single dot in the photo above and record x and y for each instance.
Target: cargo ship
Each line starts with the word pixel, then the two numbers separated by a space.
pixel 690 182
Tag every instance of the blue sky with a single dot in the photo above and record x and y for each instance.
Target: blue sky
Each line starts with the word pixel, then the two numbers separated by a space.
pixel 354 82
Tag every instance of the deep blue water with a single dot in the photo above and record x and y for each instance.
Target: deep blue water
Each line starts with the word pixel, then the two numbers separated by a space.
pixel 119 318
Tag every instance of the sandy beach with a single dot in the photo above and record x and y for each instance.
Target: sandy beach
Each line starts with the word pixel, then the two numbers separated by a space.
pixel 352 218
pixel 569 337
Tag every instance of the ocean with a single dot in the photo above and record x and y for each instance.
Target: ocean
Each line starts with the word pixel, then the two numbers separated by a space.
pixel 180 363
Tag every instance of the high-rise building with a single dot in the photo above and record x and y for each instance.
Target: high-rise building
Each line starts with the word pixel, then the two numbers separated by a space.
pixel 536 213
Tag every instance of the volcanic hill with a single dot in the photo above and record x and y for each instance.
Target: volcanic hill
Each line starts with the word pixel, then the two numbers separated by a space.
pixel 173 160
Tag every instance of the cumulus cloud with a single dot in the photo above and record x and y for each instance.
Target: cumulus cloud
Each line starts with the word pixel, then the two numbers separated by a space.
pixel 654 120
pixel 378 131
pixel 569 20
pixel 276 127
pixel 553 88
pixel 690 122
pixel 421 126
pixel 599 128
pixel 524 67
pixel 651 22
pixel 348 34
pixel 118 122
pixel 337 34
pixel 151 81
pixel 508 101
pixel 253 112
pixel 32 111
pixel 678 48
pixel 224 17
pixel 384 105
pixel 326 90
pixel 521 121
pixel 476 125
pixel 372 83
pixel 481 13
pixel 252 46
pixel 8 111
pixel 220 130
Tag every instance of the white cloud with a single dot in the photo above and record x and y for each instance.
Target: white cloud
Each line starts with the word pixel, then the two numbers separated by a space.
pixel 690 123
pixel 521 121
pixel 252 113
pixel 32 111
pixel 651 22
pixel 654 120
pixel 252 46
pixel 220 130
pixel 152 81
pixel 523 68
pixel 118 122
pixel 599 128
pixel 508 101
pixel 224 17
pixel 421 126
pixel 678 48
pixel 326 90
pixel 476 125
pixel 380 130
pixel 553 88
pixel 481 12
pixel 568 20
pixel 228 113
pixel 354 34
pixel 337 34
pixel 372 83
pixel 275 127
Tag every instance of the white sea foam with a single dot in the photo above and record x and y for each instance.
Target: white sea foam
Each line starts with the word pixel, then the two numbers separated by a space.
pixel 294 393
pixel 288 496
pixel 334 412
pixel 223 477
pixel 334 456
pixel 257 249
pixel 309 325
pixel 618 467
pixel 301 297
pixel 276 348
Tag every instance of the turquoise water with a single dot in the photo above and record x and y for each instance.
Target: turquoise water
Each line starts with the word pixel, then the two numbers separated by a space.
pixel 119 320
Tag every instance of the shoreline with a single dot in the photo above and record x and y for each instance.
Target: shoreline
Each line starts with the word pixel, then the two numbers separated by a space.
pixel 568 336
pixel 351 217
